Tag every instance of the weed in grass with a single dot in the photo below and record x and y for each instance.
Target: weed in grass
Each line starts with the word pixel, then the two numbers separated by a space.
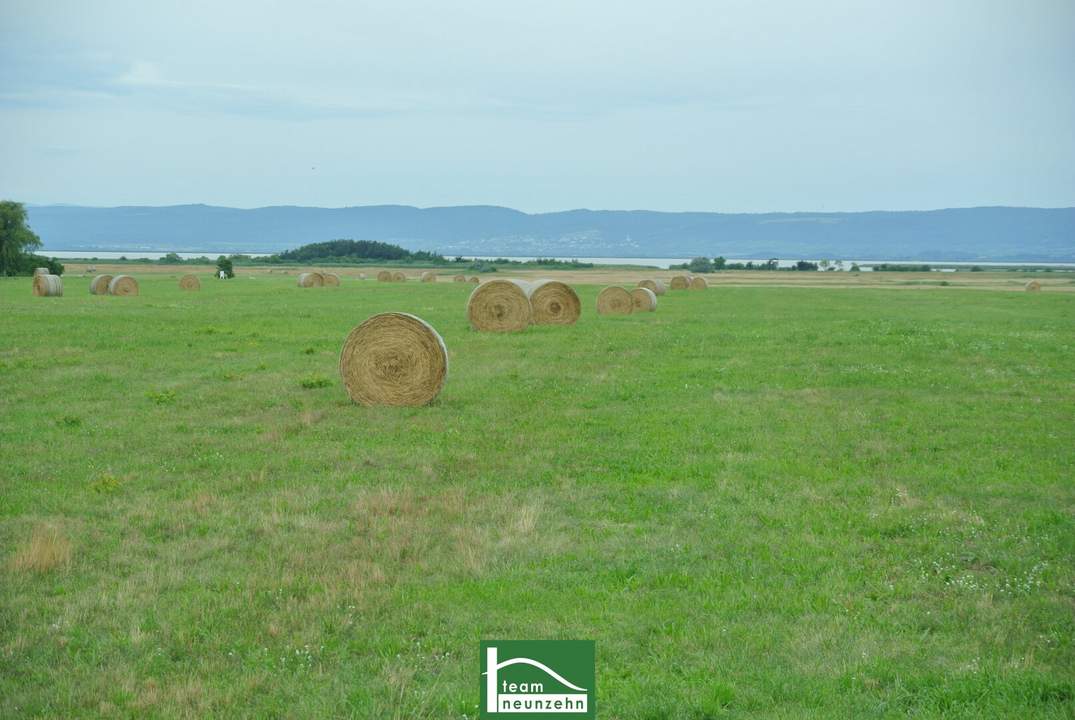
pixel 105 483
pixel 161 397
pixel 315 381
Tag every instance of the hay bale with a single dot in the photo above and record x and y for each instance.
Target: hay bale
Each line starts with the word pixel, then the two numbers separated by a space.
pixel 474 279
pixel 311 279
pixel 190 282
pixel 397 276
pixel 330 279
pixel 41 271
pixel 553 303
pixel 99 285
pixel 393 359
pixel 1033 286
pixel 644 299
pixel 680 282
pixel 698 283
pixel 429 276
pixel 384 276
pixel 123 285
pixel 614 300
pixel 655 286
pixel 362 276
pixel 48 285
pixel 459 278
pixel 499 306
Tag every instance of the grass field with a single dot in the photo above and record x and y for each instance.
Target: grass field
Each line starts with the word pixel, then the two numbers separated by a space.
pixel 760 502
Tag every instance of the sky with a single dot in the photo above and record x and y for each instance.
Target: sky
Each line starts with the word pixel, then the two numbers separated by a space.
pixel 546 105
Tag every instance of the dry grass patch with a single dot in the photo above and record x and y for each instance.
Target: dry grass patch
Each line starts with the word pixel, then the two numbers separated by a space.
pixel 47 548
pixel 403 532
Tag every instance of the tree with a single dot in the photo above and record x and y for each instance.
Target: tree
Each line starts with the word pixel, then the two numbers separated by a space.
pixel 700 265
pixel 16 238
pixel 224 264
pixel 171 259
pixel 719 262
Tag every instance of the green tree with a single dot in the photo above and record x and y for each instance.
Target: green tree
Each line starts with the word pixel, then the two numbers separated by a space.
pixel 16 238
pixel 719 263
pixel 223 263
pixel 170 259
pixel 700 265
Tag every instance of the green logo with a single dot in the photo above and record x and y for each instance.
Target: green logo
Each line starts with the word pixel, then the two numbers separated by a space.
pixel 537 679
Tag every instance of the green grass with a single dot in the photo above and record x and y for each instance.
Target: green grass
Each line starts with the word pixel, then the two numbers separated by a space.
pixel 760 502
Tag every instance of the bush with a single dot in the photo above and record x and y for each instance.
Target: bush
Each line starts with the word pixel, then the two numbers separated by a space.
pixel 224 264
pixel 26 264
pixel 700 265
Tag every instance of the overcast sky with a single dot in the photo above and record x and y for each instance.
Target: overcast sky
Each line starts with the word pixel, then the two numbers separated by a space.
pixel 546 105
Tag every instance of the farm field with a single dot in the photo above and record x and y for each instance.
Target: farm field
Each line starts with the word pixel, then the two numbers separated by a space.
pixel 760 502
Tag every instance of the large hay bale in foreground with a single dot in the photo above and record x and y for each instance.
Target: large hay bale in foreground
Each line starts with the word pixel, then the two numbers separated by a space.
pixel 429 276
pixel 614 300
pixel 190 282
pixel 459 278
pixel 499 306
pixel 311 279
pixel 698 283
pixel 655 286
pixel 330 279
pixel 123 285
pixel 553 303
pixel 393 359
pixel 644 299
pixel 48 285
pixel 680 282
pixel 384 276
pixel 99 285
pixel 41 271
pixel 1033 286
pixel 399 277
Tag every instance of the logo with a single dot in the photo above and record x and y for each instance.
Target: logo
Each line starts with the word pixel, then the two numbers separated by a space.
pixel 537 678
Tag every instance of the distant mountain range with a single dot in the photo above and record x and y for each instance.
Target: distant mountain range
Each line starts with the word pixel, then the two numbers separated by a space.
pixel 968 234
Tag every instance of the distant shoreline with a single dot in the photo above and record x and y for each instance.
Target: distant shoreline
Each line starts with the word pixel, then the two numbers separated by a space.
pixel 661 262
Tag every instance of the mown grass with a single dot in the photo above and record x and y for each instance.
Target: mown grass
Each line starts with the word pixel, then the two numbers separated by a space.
pixel 760 502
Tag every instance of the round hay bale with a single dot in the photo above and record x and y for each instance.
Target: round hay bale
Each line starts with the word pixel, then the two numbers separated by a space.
pixel 190 282
pixel 655 286
pixel 123 285
pixel 330 279
pixel 645 300
pixel 397 276
pixel 553 303
pixel 48 285
pixel 311 279
pixel 429 276
pixel 499 306
pixel 614 300
pixel 393 359
pixel 384 276
pixel 362 276
pixel 474 279
pixel 41 271
pixel 459 278
pixel 99 285
pixel 1033 286
pixel 680 282
pixel 698 283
